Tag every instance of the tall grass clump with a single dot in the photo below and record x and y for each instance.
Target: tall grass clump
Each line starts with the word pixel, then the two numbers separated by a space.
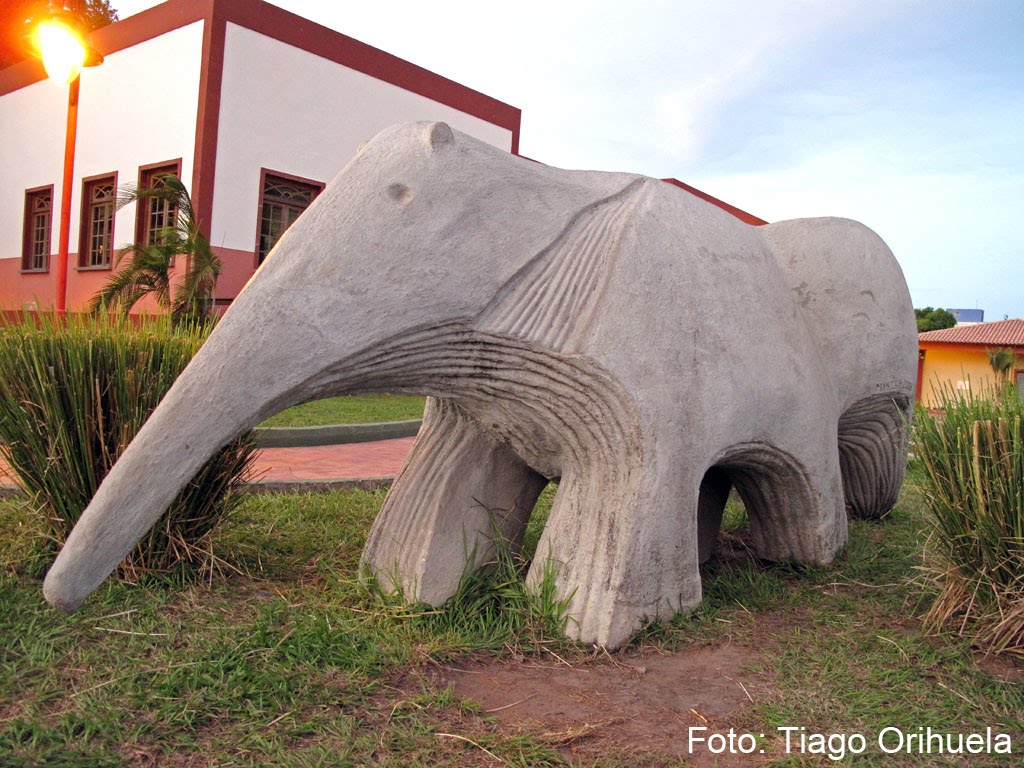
pixel 493 607
pixel 493 600
pixel 74 391
pixel 973 461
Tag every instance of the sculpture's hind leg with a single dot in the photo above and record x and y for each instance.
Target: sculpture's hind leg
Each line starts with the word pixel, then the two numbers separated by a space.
pixel 793 500
pixel 459 488
pixel 623 544
pixel 873 454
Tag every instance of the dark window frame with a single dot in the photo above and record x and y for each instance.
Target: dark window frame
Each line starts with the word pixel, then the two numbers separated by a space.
pixel 316 187
pixel 85 222
pixel 144 208
pixel 29 228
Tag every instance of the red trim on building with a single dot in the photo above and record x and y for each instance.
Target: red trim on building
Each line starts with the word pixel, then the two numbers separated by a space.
pixel 150 23
pixel 287 28
pixel 204 160
pixel 133 30
pixel 1017 348
pixel 235 271
pixel 742 215
pixel 36 290
pixel 21 74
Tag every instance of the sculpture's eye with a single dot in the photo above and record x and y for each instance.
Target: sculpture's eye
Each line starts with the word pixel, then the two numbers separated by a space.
pixel 400 193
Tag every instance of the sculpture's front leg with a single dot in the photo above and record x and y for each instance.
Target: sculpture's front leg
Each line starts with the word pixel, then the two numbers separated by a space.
pixel 459 488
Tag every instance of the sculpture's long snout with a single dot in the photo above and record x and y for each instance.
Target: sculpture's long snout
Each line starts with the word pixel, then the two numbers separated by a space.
pixel 215 399
pixel 320 298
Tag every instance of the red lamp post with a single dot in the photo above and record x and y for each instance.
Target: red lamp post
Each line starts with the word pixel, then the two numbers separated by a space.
pixel 64 53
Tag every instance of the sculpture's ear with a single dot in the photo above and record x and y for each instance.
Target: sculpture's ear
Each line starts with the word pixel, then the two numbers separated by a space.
pixel 437 136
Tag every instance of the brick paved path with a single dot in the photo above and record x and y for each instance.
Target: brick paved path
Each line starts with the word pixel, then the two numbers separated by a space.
pixel 330 462
pixel 327 462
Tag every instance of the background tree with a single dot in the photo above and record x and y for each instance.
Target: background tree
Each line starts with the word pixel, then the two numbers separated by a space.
pixel 929 319
pixel 1001 360
pixel 15 16
pixel 147 266
pixel 98 13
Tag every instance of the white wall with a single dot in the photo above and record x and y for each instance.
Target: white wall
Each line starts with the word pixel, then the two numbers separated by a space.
pixel 291 111
pixel 32 122
pixel 138 107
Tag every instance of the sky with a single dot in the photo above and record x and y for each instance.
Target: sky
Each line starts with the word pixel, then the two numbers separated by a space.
pixel 906 115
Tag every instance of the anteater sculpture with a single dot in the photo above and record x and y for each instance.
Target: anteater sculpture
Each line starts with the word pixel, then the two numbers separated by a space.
pixel 640 344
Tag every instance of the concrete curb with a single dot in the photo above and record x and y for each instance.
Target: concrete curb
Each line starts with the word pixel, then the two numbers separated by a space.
pixel 334 434
pixel 318 486
pixel 12 492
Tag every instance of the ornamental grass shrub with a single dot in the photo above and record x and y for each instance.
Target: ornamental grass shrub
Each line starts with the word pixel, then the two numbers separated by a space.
pixel 74 391
pixel 972 455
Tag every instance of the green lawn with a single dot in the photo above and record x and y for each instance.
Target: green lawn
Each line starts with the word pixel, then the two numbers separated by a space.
pixel 284 659
pixel 362 409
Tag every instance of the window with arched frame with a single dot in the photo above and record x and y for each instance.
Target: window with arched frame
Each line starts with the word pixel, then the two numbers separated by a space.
pixel 96 237
pixel 282 200
pixel 38 229
pixel 155 214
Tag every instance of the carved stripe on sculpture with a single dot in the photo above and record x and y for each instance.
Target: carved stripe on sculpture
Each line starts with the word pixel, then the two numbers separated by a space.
pixel 562 396
pixel 776 493
pixel 552 299
pixel 872 453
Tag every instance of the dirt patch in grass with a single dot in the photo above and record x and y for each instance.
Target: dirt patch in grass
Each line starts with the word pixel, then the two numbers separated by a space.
pixel 1001 668
pixel 641 702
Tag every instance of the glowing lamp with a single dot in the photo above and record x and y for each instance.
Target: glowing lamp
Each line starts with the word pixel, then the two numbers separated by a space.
pixel 62 49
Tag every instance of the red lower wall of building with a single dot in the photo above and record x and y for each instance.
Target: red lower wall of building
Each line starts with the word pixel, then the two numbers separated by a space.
pixel 36 291
pixel 236 267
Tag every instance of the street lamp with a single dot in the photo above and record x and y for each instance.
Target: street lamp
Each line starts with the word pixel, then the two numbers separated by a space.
pixel 64 52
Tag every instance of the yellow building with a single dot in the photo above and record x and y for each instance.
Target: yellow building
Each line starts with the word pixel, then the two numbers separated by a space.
pixel 957 358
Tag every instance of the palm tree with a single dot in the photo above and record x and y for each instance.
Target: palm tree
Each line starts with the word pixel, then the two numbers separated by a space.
pixel 1001 360
pixel 148 271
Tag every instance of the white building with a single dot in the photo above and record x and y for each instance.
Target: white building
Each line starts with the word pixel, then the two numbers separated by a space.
pixel 254 108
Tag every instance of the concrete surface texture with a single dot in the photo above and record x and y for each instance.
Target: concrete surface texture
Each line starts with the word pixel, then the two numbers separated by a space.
pixel 610 330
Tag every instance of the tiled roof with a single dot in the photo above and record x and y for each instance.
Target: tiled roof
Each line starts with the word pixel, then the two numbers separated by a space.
pixel 1002 333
